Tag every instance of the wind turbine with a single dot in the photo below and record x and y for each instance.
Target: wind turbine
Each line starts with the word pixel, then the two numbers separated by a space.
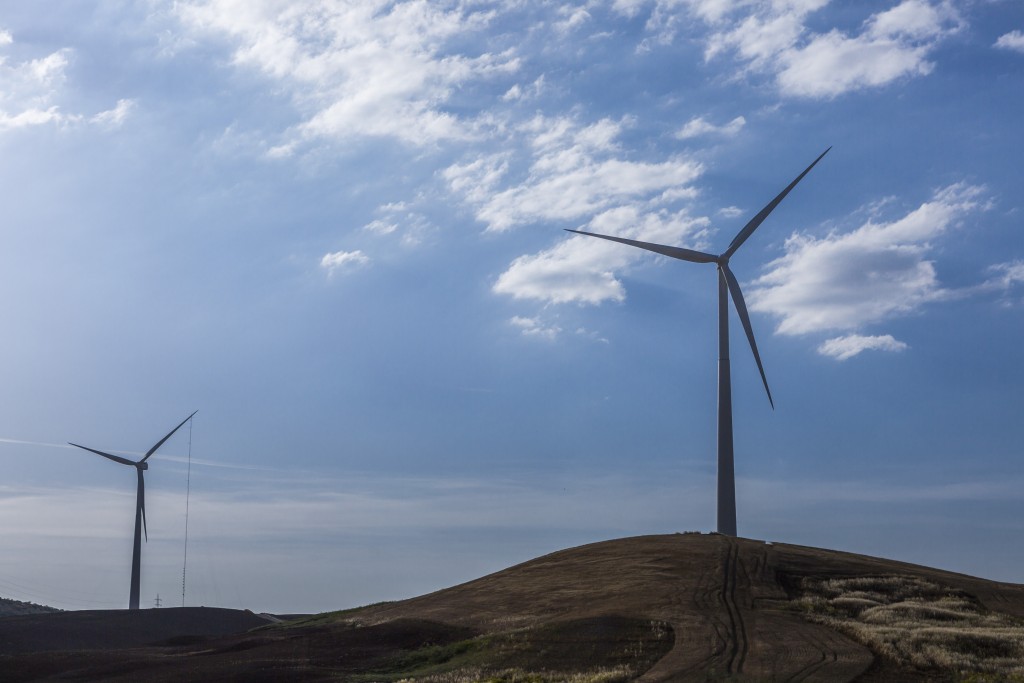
pixel 140 506
pixel 727 285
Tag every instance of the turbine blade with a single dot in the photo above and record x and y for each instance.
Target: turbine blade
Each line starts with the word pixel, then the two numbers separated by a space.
pixel 169 435
pixel 750 227
pixel 741 308
pixel 115 458
pixel 674 252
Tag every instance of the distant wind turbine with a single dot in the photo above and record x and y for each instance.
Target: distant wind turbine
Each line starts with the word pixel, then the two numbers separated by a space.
pixel 727 285
pixel 140 506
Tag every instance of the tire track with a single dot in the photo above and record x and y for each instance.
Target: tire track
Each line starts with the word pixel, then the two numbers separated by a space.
pixel 739 644
pixel 826 655
pixel 705 600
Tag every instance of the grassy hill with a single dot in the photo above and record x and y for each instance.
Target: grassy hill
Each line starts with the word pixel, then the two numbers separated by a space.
pixel 11 608
pixel 683 607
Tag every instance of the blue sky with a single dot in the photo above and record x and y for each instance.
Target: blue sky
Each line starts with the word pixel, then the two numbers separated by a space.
pixel 336 230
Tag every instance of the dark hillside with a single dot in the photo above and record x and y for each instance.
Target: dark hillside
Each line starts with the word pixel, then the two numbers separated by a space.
pixel 11 608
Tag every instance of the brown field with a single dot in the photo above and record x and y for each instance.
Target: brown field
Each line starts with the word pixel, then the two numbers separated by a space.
pixel 682 607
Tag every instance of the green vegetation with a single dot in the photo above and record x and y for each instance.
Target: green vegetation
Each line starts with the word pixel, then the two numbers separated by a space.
pixel 605 649
pixel 920 624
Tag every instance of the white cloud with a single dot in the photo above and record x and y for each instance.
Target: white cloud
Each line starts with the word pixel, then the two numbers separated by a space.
pixel 343 259
pixel 584 269
pixel 849 346
pixel 775 38
pixel 698 126
pixel 843 281
pixel 575 173
pixel 372 68
pixel 513 93
pixel 113 118
pixel 518 92
pixel 477 179
pixel 1006 275
pixel 533 327
pixel 1003 278
pixel 381 227
pixel 571 18
pixel 730 212
pixel 894 44
pixel 1014 40
pixel 629 8
pixel 591 335
pixel 31 89
pixel 400 219
pixel 31 117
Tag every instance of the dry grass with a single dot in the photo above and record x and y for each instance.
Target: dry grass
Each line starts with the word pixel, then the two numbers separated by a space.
pixel 920 624
pixel 614 675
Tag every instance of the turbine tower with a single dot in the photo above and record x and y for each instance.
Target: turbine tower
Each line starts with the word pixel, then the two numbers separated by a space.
pixel 140 506
pixel 727 285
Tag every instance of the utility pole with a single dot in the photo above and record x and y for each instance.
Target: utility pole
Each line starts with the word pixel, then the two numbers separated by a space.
pixel 157 600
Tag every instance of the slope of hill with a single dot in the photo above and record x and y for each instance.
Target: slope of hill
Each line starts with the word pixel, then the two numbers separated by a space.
pixel 11 608
pixel 121 628
pixel 744 608
pixel 684 607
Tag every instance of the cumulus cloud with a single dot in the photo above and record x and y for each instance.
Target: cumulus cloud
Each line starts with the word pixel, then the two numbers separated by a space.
pixel 698 127
pixel 849 346
pixel 534 327
pixel 844 281
pixel 339 260
pixel 381 227
pixel 571 18
pixel 518 92
pixel 775 38
pixel 1014 40
pixel 373 68
pixel 113 118
pixel 576 172
pixel 31 90
pixel 402 220
pixel 584 269
pixel 1006 275
pixel 1004 278
pixel 894 44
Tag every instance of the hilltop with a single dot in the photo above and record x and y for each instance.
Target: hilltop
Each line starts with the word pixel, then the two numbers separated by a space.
pixel 11 608
pixel 682 607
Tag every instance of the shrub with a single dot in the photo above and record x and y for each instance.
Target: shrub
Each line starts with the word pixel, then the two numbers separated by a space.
pixel 920 624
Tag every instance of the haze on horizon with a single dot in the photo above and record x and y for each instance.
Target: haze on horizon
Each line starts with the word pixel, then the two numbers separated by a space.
pixel 336 229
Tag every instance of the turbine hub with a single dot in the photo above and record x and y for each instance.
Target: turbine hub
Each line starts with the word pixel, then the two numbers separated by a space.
pixel 142 465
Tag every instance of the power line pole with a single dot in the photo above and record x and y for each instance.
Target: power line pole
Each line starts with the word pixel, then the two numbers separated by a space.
pixel 157 600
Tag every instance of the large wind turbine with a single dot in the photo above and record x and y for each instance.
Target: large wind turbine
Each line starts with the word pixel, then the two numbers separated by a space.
pixel 140 506
pixel 727 285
